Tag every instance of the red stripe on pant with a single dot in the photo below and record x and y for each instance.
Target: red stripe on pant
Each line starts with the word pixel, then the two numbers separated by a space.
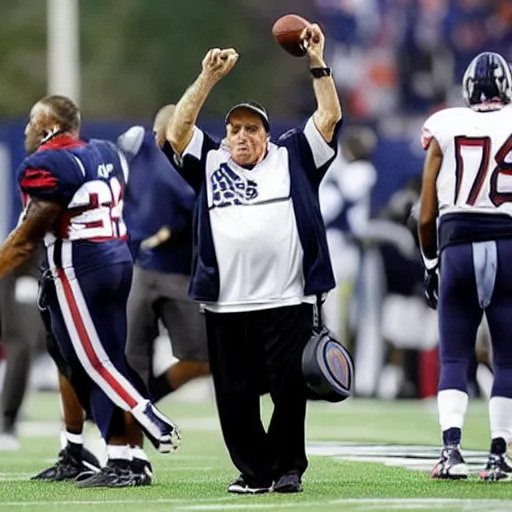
pixel 87 344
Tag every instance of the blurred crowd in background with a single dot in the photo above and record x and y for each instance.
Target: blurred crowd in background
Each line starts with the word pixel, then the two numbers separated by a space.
pixel 395 62
pixel 408 56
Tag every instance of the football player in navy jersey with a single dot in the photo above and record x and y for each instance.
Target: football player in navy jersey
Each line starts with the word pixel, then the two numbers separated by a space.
pixel 72 194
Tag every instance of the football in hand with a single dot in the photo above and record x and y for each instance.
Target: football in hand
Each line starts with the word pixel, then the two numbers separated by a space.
pixel 287 31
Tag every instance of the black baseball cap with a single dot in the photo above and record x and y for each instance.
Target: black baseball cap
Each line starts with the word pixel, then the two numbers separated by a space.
pixel 254 106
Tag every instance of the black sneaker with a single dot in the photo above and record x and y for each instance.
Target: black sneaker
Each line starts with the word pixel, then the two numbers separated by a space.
pixel 288 483
pixel 451 465
pixel 242 486
pixel 116 473
pixel 497 469
pixel 70 465
pixel 142 470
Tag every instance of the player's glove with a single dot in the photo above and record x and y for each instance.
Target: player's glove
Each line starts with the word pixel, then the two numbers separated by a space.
pixel 45 281
pixel 432 286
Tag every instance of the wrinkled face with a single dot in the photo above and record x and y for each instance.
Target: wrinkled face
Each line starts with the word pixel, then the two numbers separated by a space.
pixel 246 137
pixel 38 126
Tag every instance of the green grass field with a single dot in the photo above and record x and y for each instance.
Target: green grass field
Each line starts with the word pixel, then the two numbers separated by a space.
pixel 342 476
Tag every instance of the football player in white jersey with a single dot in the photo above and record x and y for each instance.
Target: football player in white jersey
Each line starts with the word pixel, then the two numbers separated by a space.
pixel 465 230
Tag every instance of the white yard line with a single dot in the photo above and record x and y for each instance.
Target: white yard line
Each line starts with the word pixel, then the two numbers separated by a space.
pixel 14 477
pixel 36 429
pixel 170 469
pixel 362 504
pixel 102 503
pixel 25 477
pixel 367 504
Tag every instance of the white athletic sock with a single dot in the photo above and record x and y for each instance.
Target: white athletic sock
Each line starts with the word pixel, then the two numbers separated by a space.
pixel 119 452
pixel 67 437
pixel 74 438
pixel 452 405
pixel 139 453
pixel 500 417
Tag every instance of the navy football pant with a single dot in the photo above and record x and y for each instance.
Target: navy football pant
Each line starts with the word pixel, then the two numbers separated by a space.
pixel 475 277
pixel 88 317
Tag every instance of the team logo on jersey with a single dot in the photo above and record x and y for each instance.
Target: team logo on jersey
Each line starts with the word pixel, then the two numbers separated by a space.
pixel 229 188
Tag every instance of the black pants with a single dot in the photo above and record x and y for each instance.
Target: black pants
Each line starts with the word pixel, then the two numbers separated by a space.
pixel 246 349
pixel 22 333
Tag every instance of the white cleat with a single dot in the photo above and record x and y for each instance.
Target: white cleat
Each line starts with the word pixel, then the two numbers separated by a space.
pixel 451 465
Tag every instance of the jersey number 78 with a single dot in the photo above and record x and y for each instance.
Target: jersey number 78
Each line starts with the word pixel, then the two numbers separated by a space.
pixel 501 167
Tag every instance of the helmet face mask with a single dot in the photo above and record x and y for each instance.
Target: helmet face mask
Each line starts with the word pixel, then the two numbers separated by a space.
pixel 487 82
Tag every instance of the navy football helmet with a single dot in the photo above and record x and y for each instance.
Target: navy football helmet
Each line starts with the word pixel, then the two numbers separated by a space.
pixel 487 82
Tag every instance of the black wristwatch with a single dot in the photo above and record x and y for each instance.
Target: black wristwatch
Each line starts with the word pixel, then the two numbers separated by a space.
pixel 321 72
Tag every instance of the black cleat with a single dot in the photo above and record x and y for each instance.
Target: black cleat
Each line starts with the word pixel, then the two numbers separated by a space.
pixel 451 465
pixel 242 486
pixel 288 483
pixel 70 465
pixel 142 470
pixel 116 473
pixel 497 469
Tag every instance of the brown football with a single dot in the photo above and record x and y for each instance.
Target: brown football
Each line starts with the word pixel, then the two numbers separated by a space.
pixel 287 31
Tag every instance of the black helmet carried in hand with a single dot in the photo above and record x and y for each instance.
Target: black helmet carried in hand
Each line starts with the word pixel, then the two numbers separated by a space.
pixel 327 367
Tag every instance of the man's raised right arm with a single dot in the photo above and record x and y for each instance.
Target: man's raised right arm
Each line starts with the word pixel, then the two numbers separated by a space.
pixel 216 64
